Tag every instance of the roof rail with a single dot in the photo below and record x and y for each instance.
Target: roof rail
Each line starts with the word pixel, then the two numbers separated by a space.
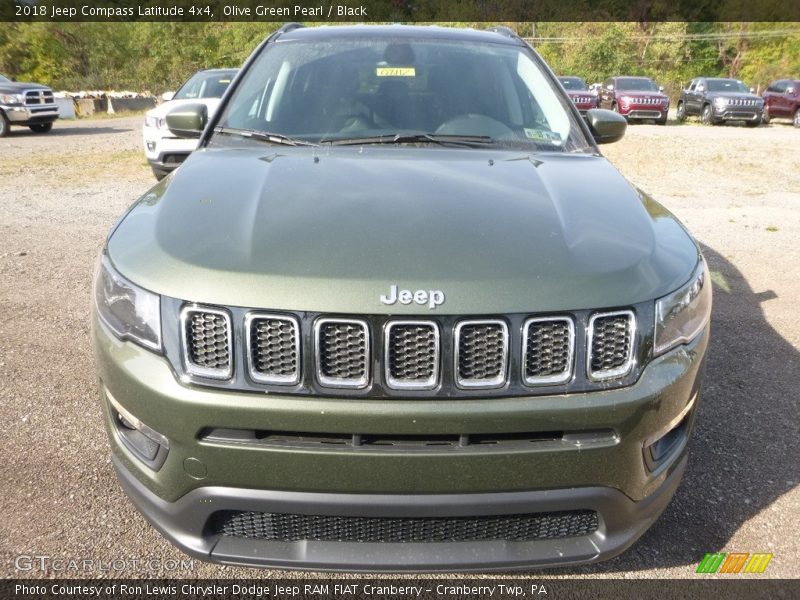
pixel 290 27
pixel 503 30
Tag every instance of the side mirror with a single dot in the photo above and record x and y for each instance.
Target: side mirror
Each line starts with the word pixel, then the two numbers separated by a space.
pixel 606 125
pixel 610 87
pixel 701 88
pixel 167 96
pixel 790 90
pixel 661 88
pixel 188 121
pixel 752 90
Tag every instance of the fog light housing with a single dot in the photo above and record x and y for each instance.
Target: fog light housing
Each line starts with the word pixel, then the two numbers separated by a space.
pixel 142 441
pixel 662 449
pixel 151 146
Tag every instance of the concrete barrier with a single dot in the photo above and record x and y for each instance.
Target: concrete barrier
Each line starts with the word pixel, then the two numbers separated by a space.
pixel 66 108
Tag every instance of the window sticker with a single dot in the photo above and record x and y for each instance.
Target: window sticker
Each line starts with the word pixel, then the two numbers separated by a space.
pixel 396 72
pixel 543 135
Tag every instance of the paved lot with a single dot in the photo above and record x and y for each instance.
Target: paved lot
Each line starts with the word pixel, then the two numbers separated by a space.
pixel 737 189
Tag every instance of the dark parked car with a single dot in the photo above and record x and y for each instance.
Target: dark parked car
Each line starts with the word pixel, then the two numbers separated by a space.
pixel 398 312
pixel 579 93
pixel 635 98
pixel 717 100
pixel 28 104
pixel 782 101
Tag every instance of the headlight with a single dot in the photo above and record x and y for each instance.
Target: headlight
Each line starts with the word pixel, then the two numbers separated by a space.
pixel 625 99
pixel 131 312
pixel 151 122
pixel 11 99
pixel 720 101
pixel 683 314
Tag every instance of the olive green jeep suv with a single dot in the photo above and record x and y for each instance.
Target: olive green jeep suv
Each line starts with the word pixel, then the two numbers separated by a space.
pixel 397 312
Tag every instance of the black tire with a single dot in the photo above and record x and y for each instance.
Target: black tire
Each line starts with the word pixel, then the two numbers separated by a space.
pixel 4 126
pixel 796 118
pixel 680 113
pixel 41 127
pixel 765 118
pixel 159 173
pixel 662 121
pixel 707 116
pixel 614 107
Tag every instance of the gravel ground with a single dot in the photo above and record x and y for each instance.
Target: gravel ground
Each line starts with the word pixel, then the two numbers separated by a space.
pixel 737 189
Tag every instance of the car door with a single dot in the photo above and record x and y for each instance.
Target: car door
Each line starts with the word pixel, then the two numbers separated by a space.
pixel 688 98
pixel 779 101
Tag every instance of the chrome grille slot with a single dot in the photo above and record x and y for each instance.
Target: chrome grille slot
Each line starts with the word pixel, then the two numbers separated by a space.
pixel 273 348
pixel 206 339
pixel 411 354
pixel 342 352
pixel 610 343
pixel 481 353
pixel 547 350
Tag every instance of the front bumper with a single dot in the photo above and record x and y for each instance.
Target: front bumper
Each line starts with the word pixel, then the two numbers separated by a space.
pixel 25 115
pixel 199 477
pixel 163 151
pixel 737 113
pixel 644 111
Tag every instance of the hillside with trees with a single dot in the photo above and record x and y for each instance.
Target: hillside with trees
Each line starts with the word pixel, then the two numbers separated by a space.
pixel 155 57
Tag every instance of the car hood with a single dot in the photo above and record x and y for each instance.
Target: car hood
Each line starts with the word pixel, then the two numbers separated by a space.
pixel 640 94
pixel 330 230
pixel 744 95
pixel 14 87
pixel 162 109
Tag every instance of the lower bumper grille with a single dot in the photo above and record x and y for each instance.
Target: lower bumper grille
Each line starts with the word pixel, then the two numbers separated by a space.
pixel 293 527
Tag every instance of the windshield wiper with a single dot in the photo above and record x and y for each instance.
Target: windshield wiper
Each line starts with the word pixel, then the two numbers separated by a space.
pixel 264 136
pixel 411 138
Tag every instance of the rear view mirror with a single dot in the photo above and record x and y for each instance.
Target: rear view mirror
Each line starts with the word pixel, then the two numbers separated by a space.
pixel 167 96
pixel 606 126
pixel 188 121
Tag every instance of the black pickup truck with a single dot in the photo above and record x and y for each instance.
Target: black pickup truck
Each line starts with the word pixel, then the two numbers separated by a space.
pixel 28 104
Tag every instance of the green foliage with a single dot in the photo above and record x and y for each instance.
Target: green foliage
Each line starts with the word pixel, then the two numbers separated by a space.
pixel 157 57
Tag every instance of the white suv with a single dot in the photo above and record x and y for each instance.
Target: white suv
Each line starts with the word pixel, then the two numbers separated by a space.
pixel 165 151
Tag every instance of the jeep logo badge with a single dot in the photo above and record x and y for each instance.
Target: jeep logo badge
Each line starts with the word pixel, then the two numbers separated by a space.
pixel 432 298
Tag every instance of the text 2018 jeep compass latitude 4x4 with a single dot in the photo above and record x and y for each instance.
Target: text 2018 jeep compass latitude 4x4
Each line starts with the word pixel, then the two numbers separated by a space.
pixel 396 312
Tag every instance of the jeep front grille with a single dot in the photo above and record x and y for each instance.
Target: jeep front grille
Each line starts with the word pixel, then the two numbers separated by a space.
pixel 284 527
pixel 206 336
pixel 481 353
pixel 548 349
pixel 411 354
pixel 610 342
pixel 342 352
pixel 273 348
pixel 442 356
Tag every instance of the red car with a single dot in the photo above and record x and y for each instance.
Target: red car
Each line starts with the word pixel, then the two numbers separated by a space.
pixel 635 98
pixel 782 101
pixel 579 93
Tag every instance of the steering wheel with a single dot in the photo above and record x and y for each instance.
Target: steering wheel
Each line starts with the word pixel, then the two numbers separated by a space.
pixel 474 124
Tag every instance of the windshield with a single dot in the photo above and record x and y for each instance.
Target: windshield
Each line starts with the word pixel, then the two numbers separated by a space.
pixel 726 85
pixel 573 83
pixel 397 90
pixel 636 84
pixel 205 84
pixel 4 78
